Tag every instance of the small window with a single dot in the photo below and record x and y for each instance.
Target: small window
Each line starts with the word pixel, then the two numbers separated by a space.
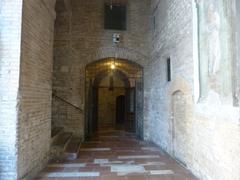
pixel 115 17
pixel 154 23
pixel 169 78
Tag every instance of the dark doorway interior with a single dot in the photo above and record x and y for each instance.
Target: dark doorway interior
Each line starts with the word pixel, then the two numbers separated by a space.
pixel 130 124
pixel 120 110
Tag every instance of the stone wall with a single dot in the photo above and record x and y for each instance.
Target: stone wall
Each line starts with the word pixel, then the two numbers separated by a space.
pixel 210 134
pixel 35 96
pixel 80 39
pixel 10 38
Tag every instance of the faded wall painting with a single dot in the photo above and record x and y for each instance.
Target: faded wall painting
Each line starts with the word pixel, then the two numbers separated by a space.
pixel 215 59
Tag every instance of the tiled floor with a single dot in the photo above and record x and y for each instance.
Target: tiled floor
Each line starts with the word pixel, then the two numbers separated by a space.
pixel 115 155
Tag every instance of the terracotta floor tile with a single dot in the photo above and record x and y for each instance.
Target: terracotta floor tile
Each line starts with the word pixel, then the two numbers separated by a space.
pixel 137 177
pixel 147 156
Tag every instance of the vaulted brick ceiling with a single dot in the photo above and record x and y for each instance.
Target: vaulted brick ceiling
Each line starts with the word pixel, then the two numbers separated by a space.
pixel 132 70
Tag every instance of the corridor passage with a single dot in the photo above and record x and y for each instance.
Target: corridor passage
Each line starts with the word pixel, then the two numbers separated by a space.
pixel 114 155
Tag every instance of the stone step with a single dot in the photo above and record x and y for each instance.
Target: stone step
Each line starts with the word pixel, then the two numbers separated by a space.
pixel 72 149
pixel 62 140
pixel 59 145
pixel 55 133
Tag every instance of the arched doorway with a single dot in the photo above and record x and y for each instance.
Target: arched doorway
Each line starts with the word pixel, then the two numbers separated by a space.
pixel 114 94
pixel 179 125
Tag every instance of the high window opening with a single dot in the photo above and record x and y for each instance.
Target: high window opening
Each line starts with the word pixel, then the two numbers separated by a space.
pixel 169 77
pixel 114 97
pixel 115 17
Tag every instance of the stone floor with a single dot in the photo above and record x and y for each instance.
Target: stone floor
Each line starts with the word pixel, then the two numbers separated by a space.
pixel 115 155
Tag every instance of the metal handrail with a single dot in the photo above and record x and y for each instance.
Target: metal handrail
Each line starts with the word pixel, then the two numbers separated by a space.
pixel 81 110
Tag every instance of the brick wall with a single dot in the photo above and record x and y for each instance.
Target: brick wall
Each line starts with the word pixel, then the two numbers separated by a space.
pixel 10 35
pixel 67 116
pixel 209 135
pixel 171 38
pixel 34 126
pixel 80 38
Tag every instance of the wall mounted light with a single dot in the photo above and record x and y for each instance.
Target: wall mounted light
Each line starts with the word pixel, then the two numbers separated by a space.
pixel 113 66
pixel 111 5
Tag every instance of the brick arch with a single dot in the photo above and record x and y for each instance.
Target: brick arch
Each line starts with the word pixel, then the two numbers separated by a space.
pixel 120 53
pixel 124 74
pixel 129 61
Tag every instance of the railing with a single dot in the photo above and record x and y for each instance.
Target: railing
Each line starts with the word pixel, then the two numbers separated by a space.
pixel 63 100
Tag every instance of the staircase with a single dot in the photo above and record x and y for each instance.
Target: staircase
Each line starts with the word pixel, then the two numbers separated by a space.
pixel 64 146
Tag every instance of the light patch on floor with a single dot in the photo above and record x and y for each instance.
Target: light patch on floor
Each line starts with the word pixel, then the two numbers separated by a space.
pixel 111 163
pixel 95 149
pixel 152 149
pixel 153 163
pixel 130 162
pixel 125 169
pixel 71 174
pixel 139 157
pixel 67 165
pixel 101 161
pixel 116 163
pixel 119 150
pixel 161 172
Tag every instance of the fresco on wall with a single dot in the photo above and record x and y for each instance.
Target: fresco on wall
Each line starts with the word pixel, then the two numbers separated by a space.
pixel 213 28
pixel 214 43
